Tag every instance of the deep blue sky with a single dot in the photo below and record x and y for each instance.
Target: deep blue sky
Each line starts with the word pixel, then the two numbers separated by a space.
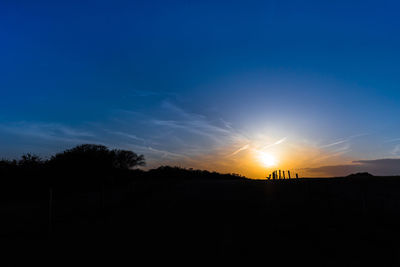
pixel 184 82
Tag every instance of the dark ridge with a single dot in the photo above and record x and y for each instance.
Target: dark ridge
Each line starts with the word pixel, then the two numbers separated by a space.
pixel 360 175
pixel 80 213
pixel 178 173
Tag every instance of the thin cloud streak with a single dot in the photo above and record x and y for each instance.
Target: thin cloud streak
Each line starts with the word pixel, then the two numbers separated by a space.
pixel 334 144
pixel 127 135
pixel 392 140
pixel 343 140
pixel 239 150
pixel 275 143
pixel 47 131
pixel 182 137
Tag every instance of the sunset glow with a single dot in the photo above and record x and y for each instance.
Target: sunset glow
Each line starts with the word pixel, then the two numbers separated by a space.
pixel 228 87
pixel 266 159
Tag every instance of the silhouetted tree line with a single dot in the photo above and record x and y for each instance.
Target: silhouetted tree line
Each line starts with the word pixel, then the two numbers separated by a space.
pixel 88 157
pixel 99 160
pixel 90 167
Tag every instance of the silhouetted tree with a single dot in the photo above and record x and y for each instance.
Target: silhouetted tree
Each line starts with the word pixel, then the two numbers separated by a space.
pixel 84 157
pixel 96 158
pixel 30 161
pixel 124 159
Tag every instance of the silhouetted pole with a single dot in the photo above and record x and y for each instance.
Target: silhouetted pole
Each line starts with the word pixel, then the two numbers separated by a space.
pixel 288 172
pixel 280 177
pixel 284 175
pixel 297 176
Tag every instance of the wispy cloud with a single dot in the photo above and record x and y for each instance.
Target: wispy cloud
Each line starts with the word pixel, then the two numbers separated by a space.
pixel 342 140
pixel 42 138
pixel 202 127
pixel 127 135
pixel 240 149
pixel 337 148
pixel 166 154
pixel 185 122
pixel 275 143
pixel 47 131
pixel 334 143
pixel 174 134
pixel 392 140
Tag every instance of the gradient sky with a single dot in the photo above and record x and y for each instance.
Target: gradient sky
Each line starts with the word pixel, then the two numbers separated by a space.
pixel 206 84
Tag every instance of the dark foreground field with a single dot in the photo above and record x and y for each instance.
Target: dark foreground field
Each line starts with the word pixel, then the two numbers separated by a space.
pixel 322 222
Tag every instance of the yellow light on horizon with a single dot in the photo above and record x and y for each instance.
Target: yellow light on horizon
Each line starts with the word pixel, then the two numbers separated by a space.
pixel 267 159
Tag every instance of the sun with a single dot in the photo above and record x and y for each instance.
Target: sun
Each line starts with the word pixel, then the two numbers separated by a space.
pixel 266 159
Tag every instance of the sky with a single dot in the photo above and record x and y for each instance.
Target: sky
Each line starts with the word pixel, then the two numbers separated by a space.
pixel 230 86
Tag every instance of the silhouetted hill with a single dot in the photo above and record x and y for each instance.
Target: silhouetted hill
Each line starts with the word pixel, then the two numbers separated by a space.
pixel 121 216
pixel 178 173
pixel 322 222
pixel 360 175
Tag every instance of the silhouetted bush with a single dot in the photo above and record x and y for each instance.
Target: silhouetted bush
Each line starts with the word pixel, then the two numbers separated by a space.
pixel 95 159
pixel 30 161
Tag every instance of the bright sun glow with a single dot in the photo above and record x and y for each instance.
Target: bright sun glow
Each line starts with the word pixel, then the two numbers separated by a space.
pixel 267 159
